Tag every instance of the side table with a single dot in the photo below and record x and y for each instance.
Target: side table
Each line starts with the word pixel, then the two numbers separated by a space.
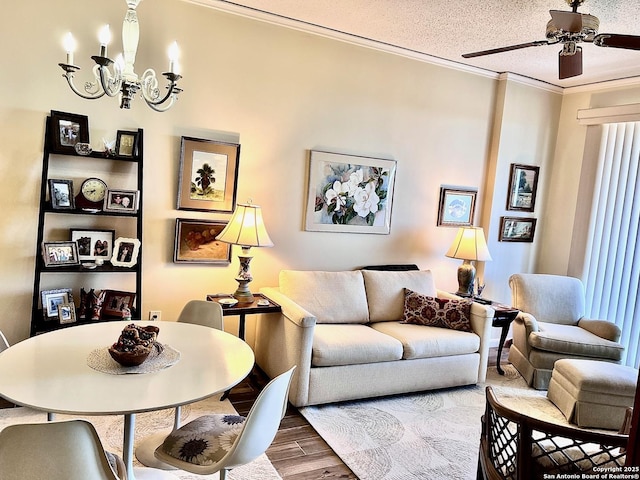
pixel 504 315
pixel 244 309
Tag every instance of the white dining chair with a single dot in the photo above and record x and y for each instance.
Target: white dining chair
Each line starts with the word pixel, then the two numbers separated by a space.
pixel 197 312
pixel 69 450
pixel 219 442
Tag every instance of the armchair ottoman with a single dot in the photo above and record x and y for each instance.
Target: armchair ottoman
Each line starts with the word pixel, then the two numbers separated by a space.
pixel 591 393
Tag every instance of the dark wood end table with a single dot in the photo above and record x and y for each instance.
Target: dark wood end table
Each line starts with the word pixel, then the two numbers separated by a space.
pixel 244 309
pixel 504 315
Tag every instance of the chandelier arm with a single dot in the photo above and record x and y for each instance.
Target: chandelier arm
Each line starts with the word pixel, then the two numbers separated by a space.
pixel 111 84
pixel 68 75
pixel 150 91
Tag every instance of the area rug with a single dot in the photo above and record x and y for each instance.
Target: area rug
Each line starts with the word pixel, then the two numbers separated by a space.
pixel 429 435
pixel 111 428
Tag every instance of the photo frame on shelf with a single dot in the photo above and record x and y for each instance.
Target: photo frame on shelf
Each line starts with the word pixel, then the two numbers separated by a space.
pixel 115 302
pixel 66 130
pixel 457 206
pixel 61 194
pixel 523 186
pixel 208 175
pixel 60 254
pixel 195 242
pixel 125 252
pixel 52 299
pixel 349 193
pixel 66 313
pixel 121 201
pixel 93 244
pixel 517 229
pixel 127 144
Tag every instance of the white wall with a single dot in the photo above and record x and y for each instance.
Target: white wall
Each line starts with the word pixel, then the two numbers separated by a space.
pixel 280 93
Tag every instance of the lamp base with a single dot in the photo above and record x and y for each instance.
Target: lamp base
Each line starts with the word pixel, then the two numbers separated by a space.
pixel 466 279
pixel 243 294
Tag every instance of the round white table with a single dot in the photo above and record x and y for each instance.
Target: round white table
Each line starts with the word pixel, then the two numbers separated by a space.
pixel 49 372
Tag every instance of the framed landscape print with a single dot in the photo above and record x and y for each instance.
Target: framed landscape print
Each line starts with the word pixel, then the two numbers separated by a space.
pixel 349 193
pixel 517 229
pixel 523 185
pixel 457 206
pixel 196 242
pixel 93 244
pixel 208 175
pixel 67 129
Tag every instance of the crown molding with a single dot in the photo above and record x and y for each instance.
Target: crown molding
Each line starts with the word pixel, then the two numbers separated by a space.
pixel 279 20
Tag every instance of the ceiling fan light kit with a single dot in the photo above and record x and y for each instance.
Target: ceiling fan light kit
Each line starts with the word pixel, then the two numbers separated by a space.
pixel 570 29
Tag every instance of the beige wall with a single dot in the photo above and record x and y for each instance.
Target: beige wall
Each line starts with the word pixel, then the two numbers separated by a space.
pixel 279 93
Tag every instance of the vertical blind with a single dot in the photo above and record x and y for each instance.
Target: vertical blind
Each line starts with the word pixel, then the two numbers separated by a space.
pixel 612 260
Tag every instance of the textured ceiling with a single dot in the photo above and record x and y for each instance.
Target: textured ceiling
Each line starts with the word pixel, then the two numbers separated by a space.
pixel 447 29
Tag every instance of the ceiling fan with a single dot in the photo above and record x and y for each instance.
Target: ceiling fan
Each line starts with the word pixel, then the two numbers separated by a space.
pixel 570 29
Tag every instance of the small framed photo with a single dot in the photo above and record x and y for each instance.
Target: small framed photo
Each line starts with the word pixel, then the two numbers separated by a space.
pixel 66 313
pixel 52 299
pixel 208 175
pixel 457 206
pixel 196 242
pixel 66 130
pixel 121 201
pixel 127 144
pixel 58 254
pixel 523 185
pixel 517 229
pixel 115 302
pixel 93 244
pixel 61 194
pixel 125 252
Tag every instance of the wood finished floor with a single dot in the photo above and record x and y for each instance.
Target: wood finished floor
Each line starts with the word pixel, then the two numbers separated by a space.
pixel 298 452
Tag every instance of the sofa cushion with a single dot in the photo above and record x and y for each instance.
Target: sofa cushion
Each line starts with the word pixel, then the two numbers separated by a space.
pixel 571 340
pixel 419 341
pixel 352 344
pixel 436 312
pixel 333 297
pixel 385 291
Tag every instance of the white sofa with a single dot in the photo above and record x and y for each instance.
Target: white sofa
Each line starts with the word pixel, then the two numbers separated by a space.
pixel 343 330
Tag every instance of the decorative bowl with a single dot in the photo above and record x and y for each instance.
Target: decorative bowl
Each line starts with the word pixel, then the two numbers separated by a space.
pixel 227 302
pixel 83 148
pixel 131 358
pixel 134 345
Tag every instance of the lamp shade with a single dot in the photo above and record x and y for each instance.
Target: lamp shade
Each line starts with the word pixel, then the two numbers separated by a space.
pixel 469 244
pixel 246 228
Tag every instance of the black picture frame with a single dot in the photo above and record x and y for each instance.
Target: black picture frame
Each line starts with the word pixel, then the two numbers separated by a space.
pixel 61 194
pixel 517 229
pixel 127 144
pixel 523 187
pixel 221 159
pixel 66 130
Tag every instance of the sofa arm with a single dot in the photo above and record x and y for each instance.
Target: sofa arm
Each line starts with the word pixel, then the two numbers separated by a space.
pixel 284 340
pixel 601 328
pixel 481 319
pixel 523 325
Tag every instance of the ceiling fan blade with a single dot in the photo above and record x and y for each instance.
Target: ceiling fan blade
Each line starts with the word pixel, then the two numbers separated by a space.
pixel 567 21
pixel 629 42
pixel 537 43
pixel 570 65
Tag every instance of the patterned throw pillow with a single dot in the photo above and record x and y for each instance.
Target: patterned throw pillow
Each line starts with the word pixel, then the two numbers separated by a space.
pixel 436 312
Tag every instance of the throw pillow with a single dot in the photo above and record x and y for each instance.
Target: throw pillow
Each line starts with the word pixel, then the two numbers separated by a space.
pixel 436 312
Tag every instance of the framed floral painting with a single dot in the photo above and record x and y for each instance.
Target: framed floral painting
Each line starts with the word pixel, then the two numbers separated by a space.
pixel 349 193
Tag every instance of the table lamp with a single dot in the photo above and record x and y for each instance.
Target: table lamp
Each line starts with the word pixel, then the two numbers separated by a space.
pixel 246 228
pixel 469 245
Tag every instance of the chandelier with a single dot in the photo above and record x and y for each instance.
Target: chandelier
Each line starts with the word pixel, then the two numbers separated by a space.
pixel 121 78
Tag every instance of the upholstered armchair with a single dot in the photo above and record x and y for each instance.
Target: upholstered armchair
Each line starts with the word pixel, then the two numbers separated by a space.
pixel 551 326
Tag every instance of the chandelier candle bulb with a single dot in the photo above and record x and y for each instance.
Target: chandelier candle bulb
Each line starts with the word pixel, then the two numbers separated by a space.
pixel 69 44
pixel 104 37
pixel 173 56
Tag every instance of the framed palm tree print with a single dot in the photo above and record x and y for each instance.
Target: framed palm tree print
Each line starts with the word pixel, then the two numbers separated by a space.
pixel 208 175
